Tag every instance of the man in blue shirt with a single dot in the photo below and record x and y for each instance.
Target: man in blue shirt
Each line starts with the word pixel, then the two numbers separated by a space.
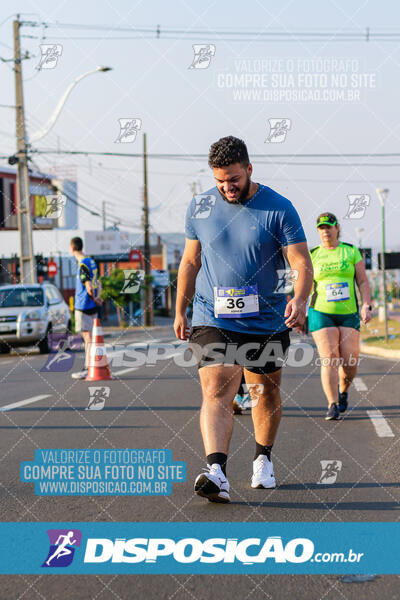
pixel 238 236
pixel 87 298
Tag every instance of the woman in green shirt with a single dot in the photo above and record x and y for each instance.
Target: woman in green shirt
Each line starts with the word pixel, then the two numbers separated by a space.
pixel 333 315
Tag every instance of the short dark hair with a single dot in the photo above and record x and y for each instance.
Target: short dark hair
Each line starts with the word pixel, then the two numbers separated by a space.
pixel 76 244
pixel 227 151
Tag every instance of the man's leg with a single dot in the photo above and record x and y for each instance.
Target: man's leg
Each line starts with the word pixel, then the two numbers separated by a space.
pixel 219 384
pixel 82 327
pixel 266 413
pixel 87 339
pixel 267 408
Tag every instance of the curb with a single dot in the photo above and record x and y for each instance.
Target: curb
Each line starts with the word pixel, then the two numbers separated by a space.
pixel 376 351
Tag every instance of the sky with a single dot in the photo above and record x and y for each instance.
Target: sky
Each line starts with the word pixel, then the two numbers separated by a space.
pixel 184 110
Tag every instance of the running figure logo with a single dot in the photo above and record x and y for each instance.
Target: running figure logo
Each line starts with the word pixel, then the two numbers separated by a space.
pixel 203 54
pixel 98 397
pixel 54 205
pixel 357 206
pixel 254 390
pixel 286 279
pixel 203 206
pixel 50 55
pixel 133 280
pixel 62 359
pixel 330 470
pixel 128 129
pixel 63 543
pixel 278 129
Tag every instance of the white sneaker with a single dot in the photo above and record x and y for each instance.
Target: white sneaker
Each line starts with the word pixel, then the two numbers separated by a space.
pixel 263 473
pixel 80 374
pixel 212 484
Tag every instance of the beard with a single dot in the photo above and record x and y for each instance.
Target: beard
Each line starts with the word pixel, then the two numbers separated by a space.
pixel 243 194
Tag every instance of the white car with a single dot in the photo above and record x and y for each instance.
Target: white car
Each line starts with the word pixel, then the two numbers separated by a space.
pixel 29 313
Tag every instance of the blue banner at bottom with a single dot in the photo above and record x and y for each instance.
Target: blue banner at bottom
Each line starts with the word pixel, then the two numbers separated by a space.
pixel 202 547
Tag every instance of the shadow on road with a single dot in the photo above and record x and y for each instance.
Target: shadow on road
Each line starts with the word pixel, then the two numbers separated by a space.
pixel 31 427
pixel 323 505
pixel 346 485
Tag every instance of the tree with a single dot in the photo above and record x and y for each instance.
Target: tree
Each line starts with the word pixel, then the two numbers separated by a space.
pixel 112 289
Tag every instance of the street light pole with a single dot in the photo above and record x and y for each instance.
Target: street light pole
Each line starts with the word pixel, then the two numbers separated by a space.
pixel 359 232
pixel 27 265
pixel 50 123
pixel 382 194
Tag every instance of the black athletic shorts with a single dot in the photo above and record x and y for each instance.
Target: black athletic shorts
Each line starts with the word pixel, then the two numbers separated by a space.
pixel 259 353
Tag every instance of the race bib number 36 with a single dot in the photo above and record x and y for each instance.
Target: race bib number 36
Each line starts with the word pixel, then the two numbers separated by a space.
pixel 234 302
pixel 337 291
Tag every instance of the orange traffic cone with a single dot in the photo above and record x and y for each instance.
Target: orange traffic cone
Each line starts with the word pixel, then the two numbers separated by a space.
pixel 98 367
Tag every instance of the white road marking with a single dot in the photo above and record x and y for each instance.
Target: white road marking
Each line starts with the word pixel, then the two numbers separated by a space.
pixel 382 427
pixel 359 384
pixel 24 402
pixel 5 362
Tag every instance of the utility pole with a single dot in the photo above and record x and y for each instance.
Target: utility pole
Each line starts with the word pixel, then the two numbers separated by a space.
pixel 148 293
pixel 103 214
pixel 26 257
pixel 384 271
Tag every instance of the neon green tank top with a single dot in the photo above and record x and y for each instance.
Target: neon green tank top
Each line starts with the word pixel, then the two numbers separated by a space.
pixel 334 279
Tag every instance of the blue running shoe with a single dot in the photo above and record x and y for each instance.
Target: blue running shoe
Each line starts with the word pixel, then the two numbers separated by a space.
pixel 333 413
pixel 241 403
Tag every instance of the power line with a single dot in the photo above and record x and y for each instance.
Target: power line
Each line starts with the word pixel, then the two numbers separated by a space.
pixel 93 212
pixel 124 222
pixel 202 156
pixel 255 158
pixel 103 168
pixel 157 31
pixel 90 204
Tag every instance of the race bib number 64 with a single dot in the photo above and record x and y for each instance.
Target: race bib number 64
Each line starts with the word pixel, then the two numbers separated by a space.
pixel 337 291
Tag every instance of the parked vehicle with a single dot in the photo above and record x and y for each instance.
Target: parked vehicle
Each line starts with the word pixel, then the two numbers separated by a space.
pixel 29 313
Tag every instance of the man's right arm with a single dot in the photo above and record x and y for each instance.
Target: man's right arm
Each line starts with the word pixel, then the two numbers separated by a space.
pixel 187 273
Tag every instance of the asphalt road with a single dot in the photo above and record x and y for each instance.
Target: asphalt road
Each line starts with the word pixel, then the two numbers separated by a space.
pixel 157 406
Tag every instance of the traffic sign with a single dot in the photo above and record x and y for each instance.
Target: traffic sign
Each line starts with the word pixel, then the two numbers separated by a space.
pixel 52 268
pixel 135 255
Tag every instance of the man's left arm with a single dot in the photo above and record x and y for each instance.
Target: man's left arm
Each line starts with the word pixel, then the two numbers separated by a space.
pixel 298 257
pixel 94 294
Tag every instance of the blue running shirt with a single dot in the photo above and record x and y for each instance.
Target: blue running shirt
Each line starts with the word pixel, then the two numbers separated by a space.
pixel 87 271
pixel 241 244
